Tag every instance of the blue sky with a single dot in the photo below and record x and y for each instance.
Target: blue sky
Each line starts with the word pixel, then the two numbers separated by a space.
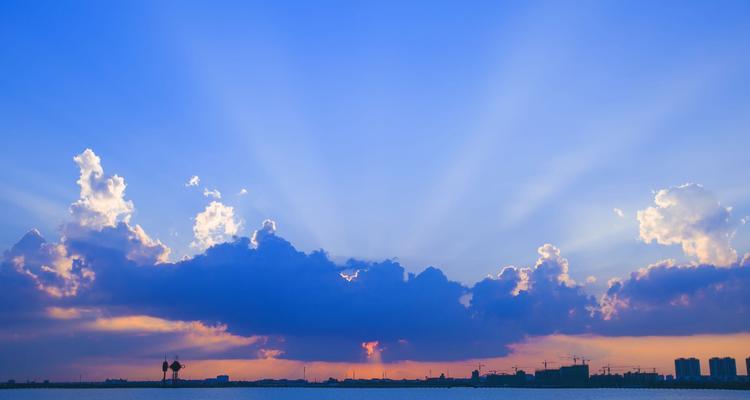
pixel 558 138
pixel 457 135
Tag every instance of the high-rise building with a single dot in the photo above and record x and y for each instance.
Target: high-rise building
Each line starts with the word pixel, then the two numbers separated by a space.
pixel 747 366
pixel 724 369
pixel 687 369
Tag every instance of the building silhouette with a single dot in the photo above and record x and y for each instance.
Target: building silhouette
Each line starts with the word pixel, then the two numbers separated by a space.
pixel 639 379
pixel 747 366
pixel 687 369
pixel 517 379
pixel 723 369
pixel 574 375
pixel 547 377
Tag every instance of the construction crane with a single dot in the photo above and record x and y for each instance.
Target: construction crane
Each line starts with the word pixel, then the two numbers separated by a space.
pixel 569 357
pixel 545 362
pixel 575 359
pixel 479 367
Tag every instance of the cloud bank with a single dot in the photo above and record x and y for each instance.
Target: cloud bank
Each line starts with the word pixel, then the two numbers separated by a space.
pixel 247 297
pixel 670 299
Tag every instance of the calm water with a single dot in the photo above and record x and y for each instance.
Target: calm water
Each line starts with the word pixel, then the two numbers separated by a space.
pixel 370 394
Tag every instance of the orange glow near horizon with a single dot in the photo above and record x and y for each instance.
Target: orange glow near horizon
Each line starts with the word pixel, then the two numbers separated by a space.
pixel 644 352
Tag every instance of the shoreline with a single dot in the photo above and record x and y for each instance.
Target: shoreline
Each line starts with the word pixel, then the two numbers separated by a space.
pixel 739 386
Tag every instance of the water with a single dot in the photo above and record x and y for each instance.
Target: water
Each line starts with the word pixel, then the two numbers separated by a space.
pixel 370 394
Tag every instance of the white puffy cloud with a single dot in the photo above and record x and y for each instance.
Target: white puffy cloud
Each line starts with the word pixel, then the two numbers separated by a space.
pixel 242 192
pixel 618 212
pixel 102 202
pixel 193 181
pixel 552 265
pixel 100 221
pixel 102 209
pixel 550 268
pixel 690 215
pixel 268 228
pixel 214 225
pixel 212 193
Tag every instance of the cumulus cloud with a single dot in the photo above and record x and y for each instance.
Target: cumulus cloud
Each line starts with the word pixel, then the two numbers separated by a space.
pixel 306 307
pixel 102 201
pixel 37 276
pixel 212 193
pixel 618 212
pixel 690 216
pixel 539 300
pixel 552 266
pixel 193 181
pixel 132 241
pixel 102 214
pixel 272 289
pixel 49 265
pixel 215 224
pixel 267 228
pixel 242 192
pixel 109 282
pixel 670 299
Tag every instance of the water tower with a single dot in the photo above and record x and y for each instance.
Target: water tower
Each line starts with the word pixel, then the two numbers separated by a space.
pixel 164 368
pixel 176 367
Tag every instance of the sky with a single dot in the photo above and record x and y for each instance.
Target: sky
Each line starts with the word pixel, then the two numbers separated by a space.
pixel 479 178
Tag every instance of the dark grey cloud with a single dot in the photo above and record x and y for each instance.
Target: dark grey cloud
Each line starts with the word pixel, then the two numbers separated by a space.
pixel 668 299
pixel 312 308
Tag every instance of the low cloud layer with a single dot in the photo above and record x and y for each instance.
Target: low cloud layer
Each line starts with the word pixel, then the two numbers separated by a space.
pixel 670 299
pixel 258 296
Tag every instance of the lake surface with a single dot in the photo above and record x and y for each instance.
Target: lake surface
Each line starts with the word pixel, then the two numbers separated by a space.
pixel 371 394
